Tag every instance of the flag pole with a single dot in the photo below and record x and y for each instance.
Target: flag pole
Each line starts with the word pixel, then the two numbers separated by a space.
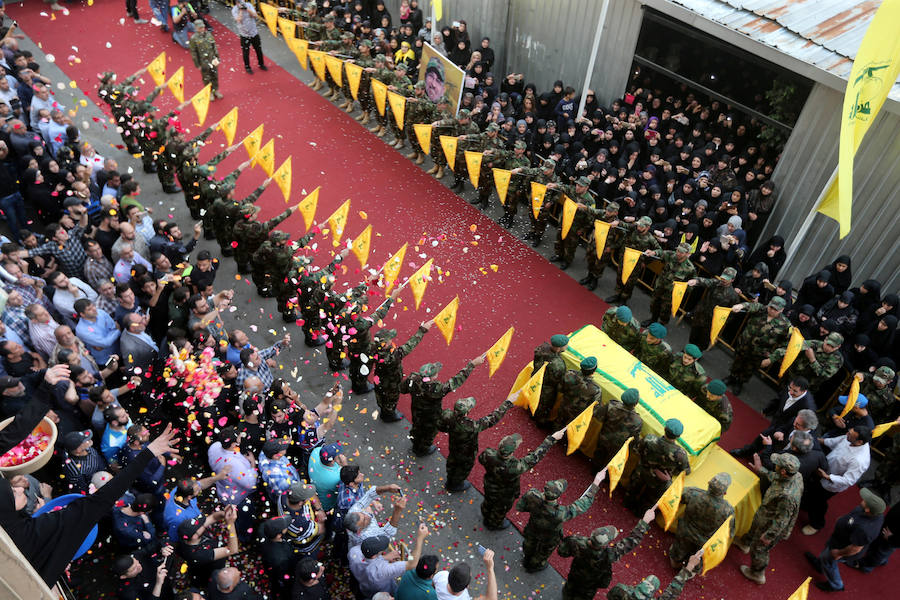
pixel 800 236
pixel 593 59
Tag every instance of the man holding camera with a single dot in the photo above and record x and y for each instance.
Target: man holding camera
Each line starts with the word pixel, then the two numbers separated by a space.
pixel 245 17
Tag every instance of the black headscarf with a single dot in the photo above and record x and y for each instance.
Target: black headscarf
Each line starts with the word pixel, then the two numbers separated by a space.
pixel 859 360
pixel 840 280
pixel 883 341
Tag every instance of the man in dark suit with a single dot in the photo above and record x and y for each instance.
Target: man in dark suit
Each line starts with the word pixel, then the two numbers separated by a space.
pixel 781 412
pixel 137 347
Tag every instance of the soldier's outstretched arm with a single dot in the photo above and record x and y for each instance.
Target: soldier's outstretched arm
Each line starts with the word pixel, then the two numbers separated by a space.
pixel 532 458
pixel 460 378
pixel 156 92
pixel 130 79
pixel 492 419
pixel 587 498
pixel 204 135
pixel 414 340
pixel 625 545
pixel 569 545
pixel 673 590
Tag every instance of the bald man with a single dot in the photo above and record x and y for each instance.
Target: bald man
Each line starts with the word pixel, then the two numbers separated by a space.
pixel 226 584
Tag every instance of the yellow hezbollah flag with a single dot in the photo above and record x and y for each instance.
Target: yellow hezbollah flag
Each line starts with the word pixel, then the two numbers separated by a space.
pixel 265 158
pixel 338 220
pixel 794 345
pixel 852 396
pixel 601 231
pixel 362 243
pixel 449 143
pixel 419 281
pixel 671 498
pixel 802 592
pixel 270 14
pixel 446 319
pixel 569 209
pixel 317 58
pixel 629 262
pixel 438 10
pixel 882 429
pixel 288 28
pixel 501 180
pixel 530 393
pixel 334 65
pixel 391 268
pixel 538 190
pixel 228 125
pixel 874 72
pixel 307 206
pixel 678 290
pixel 282 177
pixel 497 352
pixel 354 75
pixel 398 107
pixel 157 69
pixel 253 141
pixel 379 93
pixel 716 547
pixel 616 466
pixel 576 430
pixel 200 102
pixel 300 49
pixel 176 84
pixel 423 134
pixel 473 165
pixel 720 316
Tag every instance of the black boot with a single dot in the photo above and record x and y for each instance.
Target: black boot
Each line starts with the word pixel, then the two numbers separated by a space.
pixel 536 240
pixel 592 284
pixel 612 299
pixel 391 416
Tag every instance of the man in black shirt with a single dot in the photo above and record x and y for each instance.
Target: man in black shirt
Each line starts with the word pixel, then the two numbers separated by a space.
pixel 142 578
pixel 226 584
pixel 879 551
pixel 202 552
pixel 308 583
pixel 278 556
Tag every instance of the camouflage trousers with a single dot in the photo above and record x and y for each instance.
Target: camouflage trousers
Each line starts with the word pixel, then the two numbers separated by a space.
pixel 387 397
pixel 495 507
pixel 759 552
pixel 683 547
pixel 567 246
pixel 595 265
pixel 575 589
pixel 747 357
pixel 312 323
pixel 424 428
pixel 661 304
pixel 357 379
pixel 537 548
pixel 624 290
pixel 459 465
pixel 336 351
pixel 165 172
pixel 644 489
pixel 544 408
pixel 539 224
pixel 210 76
pixel 514 197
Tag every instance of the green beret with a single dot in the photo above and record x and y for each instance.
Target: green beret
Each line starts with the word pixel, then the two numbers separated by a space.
pixel 602 536
pixel 509 444
pixel 464 113
pixel 716 387
pixel 493 127
pixel 630 397
pixel 583 181
pixel 549 164
pixel 555 488
pixel 873 501
pixel 777 303
pixel 520 145
pixel 674 428
pixel 644 222
pixel 613 207
pixel 559 340
pixel 658 330
pixel 693 350
pixel 464 405
pixel 834 339
pixel 589 363
pixel 684 248
pixel 788 462
pixel 728 274
pixel 623 314
pixel 718 485
pixel 384 336
pixel 430 369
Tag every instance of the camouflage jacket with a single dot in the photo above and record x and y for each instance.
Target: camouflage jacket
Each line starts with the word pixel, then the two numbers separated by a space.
pixel 624 335
pixel 203 50
pixel 427 395
pixel 251 234
pixel 762 333
pixel 582 223
pixel 636 240
pixel 720 409
pixel 780 504
pixel 673 270
pixel 578 393
pixel 686 379
pixel 656 356
pixel 826 365
pixel 556 366
pixel 463 431
pixel 619 423
pixel 637 592
pixel 882 405
pixel 502 475
pixel 361 342
pixel 547 516
pixel 716 295
pixel 592 567
pixel 389 360
pixel 703 515
pixel 663 454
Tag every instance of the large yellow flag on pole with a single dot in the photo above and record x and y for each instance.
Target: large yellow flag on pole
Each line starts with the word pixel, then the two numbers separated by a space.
pixel 391 268
pixel 307 206
pixel 354 76
pixel 678 290
pixel 398 107
pixel 671 498
pixel 530 393
pixel 802 592
pixel 300 48
pixel 253 141
pixel 361 245
pixel 629 261
pixel 228 125
pixel 473 166
pixel 578 428
pixel 501 181
pixel 448 144
pixel 270 14
pixel 335 65
pixel 157 69
pixel 538 191
pixel 265 157
pixel 794 345
pixel 446 319
pixel 719 318
pixel 852 396
pixel 338 220
pixel 379 93
pixel 200 102
pixel 423 134
pixel 497 352
pixel 282 177
pixel 616 465
pixel 568 215
pixel 176 84
pixel 874 72
pixel 601 232
pixel 419 281
pixel 716 547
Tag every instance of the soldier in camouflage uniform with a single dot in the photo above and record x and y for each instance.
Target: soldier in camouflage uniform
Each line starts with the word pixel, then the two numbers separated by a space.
pixel 419 109
pixel 582 224
pixel 249 233
pixel 227 211
pixel 115 93
pixel 389 369
pixel 493 152
pixel 188 170
pixel 551 354
pixel 887 473
pixel 330 39
pixel 654 351
pixel 646 589
pixel 596 265
pixel 427 394
pixel 339 309
pixel 774 519
pixel 518 184
pixel 138 114
pixel 818 361
pixel 704 512
pixel 364 92
pixel 446 124
pixel 544 530
pixel 661 459
pixel 402 85
pixel 621 327
pixel 262 271
pixel 277 261
pixel 546 175
pixel 712 399
pixel 312 288
pixel 685 373
pixel 171 144
pixel 205 54
pixel 347 50
pixel 719 292
pixel 883 406
pixel 765 330
pixel 382 73
pixel 312 26
pixel 209 189
pixel 637 237
pixel 594 557
pixel 463 433
pixel 620 421
pixel 676 267
pixel 578 391
pixel 359 345
pixel 464 128
pixel 502 474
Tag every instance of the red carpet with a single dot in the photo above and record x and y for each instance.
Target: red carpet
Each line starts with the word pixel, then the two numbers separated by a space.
pixel 500 280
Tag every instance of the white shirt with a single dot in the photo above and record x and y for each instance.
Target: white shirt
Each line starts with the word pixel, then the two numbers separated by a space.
pixel 64 300
pixel 373 529
pixel 442 588
pixel 846 463
pixel 792 401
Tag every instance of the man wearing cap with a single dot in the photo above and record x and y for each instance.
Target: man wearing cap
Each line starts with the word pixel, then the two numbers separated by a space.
pixel 518 187
pixel 81 461
pixel 313 285
pixel 249 233
pixel 377 567
pixel 765 329
pixel 619 324
pixel 307 519
pixel 275 468
pixel 545 174
pixel 132 527
pixel 852 533
pixel 330 35
pixel 385 75
pixel 464 127
pixel 493 151
pixel 582 224
pixel 389 369
pixel 201 551
pixel 637 237
pixel 719 292
pixel 685 373
pixel 877 387
pixel 653 350
pixel 660 460
pixel 544 529
pixel 676 267
pixel 360 346
pixel 712 399
pixel 858 415
pixel 205 54
pixel 551 355
pixel 463 433
pixel 419 109
pixel 364 93
pixel 140 577
pixel 597 264
pixel 325 464
pixel 502 474
pixel 704 512
pixel 595 555
pixel 579 390
pixel 620 421
pixel 647 588
pixel 263 270
pixel 427 393
pixel 226 210
pixel 818 362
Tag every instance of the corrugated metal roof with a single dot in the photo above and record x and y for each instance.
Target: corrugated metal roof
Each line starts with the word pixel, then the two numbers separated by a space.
pixel 822 33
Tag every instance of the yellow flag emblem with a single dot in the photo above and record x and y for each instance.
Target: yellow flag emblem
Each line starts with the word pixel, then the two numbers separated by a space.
pixel 253 141
pixel 446 319
pixel 671 498
pixel 629 262
pixel 802 592
pixel 530 393
pixel 335 65
pixel 794 345
pixel 568 215
pixel 354 76
pixel 578 428
pixel 398 107
pixel 228 125
pixel 473 166
pixel 307 206
pixel 719 318
pixel 419 281
pixel 288 28
pixel 157 69
pixel 449 143
pixel 300 49
pixel 423 134
pixel 392 268
pixel 176 84
pixel 270 14
pixel 497 352
pixel 716 547
pixel 852 397
pixel 601 232
pixel 317 58
pixel 678 290
pixel 362 243
pixel 338 220
pixel 200 102
pixel 501 182
pixel 265 158
pixel 538 191
pixel 282 177
pixel 379 93
pixel 616 465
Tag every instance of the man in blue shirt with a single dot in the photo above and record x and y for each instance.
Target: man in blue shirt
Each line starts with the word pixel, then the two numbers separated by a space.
pixel 97 330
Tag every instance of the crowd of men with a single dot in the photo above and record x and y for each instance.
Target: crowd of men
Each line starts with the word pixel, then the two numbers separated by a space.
pixel 104 305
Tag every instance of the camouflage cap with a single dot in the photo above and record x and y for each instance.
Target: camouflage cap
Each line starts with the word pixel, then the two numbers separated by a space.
pixel 834 339
pixel 612 207
pixel 874 502
pixel 583 181
pixel 279 236
pixel 646 588
pixel 520 145
pixel 728 274
pixel 644 222
pixel 492 127
pixel 464 405
pixel 549 164
pixel 347 35
pixel 199 23
pixel 588 363
pixel 684 248
pixel 674 428
pixel 384 335
pixel 658 330
pixel 777 302
pixel 380 58
pixel 718 485
pixel 509 444
pixel 716 387
pixel 602 536
pixel 559 340
pixel 884 375
pixel 555 488
pixel 464 113
pixel 401 67
pixel 430 369
pixel 366 43
pixel 630 397
pixel 106 76
pixel 420 85
pixel 328 19
pixel 247 209
pixel 788 462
